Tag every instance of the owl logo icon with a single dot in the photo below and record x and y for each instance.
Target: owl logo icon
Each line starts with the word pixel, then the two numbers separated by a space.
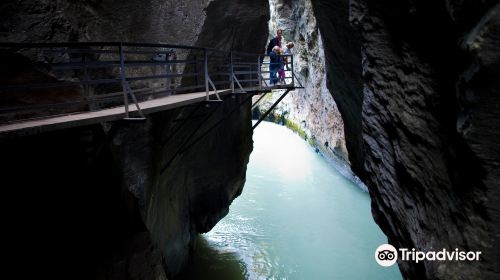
pixel 386 255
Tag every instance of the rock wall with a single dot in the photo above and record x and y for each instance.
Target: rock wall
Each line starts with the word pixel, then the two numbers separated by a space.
pixel 312 111
pixel 427 127
pixel 135 200
pixel 153 21
pixel 150 21
pixel 123 200
pixel 238 25
pixel 186 174
pixel 416 84
pixel 343 68
pixel 72 217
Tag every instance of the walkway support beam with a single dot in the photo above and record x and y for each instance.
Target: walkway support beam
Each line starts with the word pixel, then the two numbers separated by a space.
pixel 127 90
pixel 259 73
pixel 271 109
pixel 231 66
pixel 260 98
pixel 124 81
pixel 205 67
pixel 208 81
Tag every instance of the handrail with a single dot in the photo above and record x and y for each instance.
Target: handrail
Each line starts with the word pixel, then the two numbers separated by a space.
pixel 96 68
pixel 115 44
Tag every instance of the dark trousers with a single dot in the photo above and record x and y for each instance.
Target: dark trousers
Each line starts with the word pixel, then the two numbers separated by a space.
pixel 274 73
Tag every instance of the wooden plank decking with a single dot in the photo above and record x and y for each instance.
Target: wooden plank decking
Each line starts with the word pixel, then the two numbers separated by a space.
pixel 35 126
pixel 112 114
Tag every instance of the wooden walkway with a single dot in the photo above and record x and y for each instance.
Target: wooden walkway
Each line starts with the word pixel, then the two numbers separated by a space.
pixel 156 63
pixel 36 126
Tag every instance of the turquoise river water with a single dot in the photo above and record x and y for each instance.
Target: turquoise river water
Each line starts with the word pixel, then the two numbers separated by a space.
pixel 297 218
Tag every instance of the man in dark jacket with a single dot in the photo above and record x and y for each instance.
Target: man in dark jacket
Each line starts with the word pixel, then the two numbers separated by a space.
pixel 276 41
pixel 274 65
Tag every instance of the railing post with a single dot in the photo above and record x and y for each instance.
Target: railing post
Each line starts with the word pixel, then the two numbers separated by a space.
pixel 167 72
pixel 85 76
pixel 173 69
pixel 293 73
pixel 207 89
pixel 259 78
pixel 124 81
pixel 196 70
pixel 232 71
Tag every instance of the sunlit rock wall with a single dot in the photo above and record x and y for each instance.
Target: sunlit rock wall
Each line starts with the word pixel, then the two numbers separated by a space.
pixel 312 111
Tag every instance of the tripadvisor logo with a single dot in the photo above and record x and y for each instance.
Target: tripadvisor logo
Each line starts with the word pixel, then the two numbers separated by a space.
pixel 387 255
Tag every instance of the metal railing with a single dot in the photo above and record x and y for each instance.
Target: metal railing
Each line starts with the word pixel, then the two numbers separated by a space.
pixel 44 79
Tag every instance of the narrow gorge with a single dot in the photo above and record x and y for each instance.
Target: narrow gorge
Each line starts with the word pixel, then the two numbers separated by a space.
pixel 405 93
pixel 312 111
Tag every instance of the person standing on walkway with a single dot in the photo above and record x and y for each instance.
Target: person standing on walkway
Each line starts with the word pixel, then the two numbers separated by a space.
pixel 286 52
pixel 273 50
pixel 281 69
pixel 276 41
pixel 274 64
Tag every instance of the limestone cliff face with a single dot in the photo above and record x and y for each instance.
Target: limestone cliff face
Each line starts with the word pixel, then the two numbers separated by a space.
pixel 312 110
pixel 136 193
pixel 428 121
pixel 343 67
